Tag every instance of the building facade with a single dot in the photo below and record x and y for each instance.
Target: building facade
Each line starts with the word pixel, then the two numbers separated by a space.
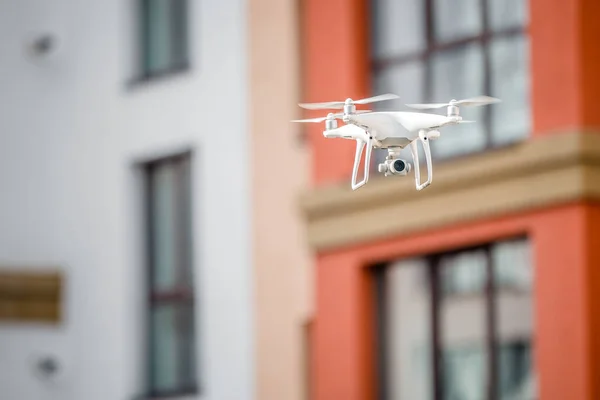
pixel 280 165
pixel 125 211
pixel 482 286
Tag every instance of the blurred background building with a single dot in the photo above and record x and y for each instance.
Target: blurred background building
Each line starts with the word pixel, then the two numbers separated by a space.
pixel 125 240
pixel 484 285
pixel 166 232
pixel 280 168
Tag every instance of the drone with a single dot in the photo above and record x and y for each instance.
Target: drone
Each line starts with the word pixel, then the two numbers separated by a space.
pixel 391 130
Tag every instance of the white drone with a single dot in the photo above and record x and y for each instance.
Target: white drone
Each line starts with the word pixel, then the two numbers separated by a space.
pixel 391 130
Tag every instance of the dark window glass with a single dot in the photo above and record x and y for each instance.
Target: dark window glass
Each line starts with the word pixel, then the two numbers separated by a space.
pixel 164 41
pixel 171 316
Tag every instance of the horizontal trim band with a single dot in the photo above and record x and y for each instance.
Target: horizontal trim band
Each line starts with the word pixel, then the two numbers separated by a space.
pixel 541 172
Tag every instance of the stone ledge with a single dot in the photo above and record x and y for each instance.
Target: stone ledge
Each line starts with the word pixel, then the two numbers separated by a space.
pixel 540 172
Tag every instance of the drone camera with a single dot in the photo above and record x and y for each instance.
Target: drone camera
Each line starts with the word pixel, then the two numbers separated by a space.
pixel 395 167
pixel 400 166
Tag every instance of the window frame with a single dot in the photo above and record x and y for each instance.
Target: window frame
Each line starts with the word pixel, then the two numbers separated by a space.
pixel 432 47
pixel 490 292
pixel 143 43
pixel 180 295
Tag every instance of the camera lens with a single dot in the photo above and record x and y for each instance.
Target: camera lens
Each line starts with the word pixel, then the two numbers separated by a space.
pixel 399 165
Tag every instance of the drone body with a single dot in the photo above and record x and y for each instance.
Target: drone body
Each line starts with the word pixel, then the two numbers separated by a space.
pixel 391 130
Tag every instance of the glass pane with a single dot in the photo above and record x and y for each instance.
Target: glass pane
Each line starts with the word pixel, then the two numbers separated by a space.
pixel 406 81
pixel 172 348
pixel 186 222
pixel 187 331
pixel 464 372
pixel 463 327
pixel 513 269
pixel 504 14
pixel 463 273
pixel 163 217
pixel 158 57
pixel 408 331
pixel 458 74
pixel 397 27
pixel 511 119
pixel 179 42
pixel 512 265
pixel 515 380
pixel 457 19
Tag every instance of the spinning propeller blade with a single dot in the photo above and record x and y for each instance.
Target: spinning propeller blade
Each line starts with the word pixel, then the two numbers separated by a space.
pixel 332 116
pixel 427 106
pixel 381 97
pixel 321 119
pixel 340 104
pixel 322 106
pixel 472 101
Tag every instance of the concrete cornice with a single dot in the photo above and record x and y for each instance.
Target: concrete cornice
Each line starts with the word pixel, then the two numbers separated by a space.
pixel 540 172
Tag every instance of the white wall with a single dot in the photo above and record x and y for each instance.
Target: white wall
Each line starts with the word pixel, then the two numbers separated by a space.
pixel 70 129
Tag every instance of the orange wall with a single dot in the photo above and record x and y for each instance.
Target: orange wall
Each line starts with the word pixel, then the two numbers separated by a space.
pixel 565 60
pixel 566 321
pixel 592 252
pixel 335 67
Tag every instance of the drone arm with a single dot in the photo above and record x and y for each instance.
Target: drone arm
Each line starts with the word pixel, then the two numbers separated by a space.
pixel 360 145
pixel 415 154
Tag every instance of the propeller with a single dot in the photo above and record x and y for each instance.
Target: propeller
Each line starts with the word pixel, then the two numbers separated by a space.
pixel 341 104
pixel 473 101
pixel 320 119
pixel 329 116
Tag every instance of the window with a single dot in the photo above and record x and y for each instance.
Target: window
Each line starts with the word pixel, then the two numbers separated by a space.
pixel 457 326
pixel 437 50
pixel 171 312
pixel 164 37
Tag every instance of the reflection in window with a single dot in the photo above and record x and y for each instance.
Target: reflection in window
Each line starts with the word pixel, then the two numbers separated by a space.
pixel 451 330
pixel 515 378
pixel 464 272
pixel 457 19
pixel 397 19
pixel 507 14
pixel 462 53
pixel 464 373
pixel 463 334
pixel 457 74
pixel 407 299
pixel 509 81
pixel 512 265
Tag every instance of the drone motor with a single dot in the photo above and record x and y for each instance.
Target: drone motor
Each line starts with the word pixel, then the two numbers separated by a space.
pixel 331 122
pixel 453 110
